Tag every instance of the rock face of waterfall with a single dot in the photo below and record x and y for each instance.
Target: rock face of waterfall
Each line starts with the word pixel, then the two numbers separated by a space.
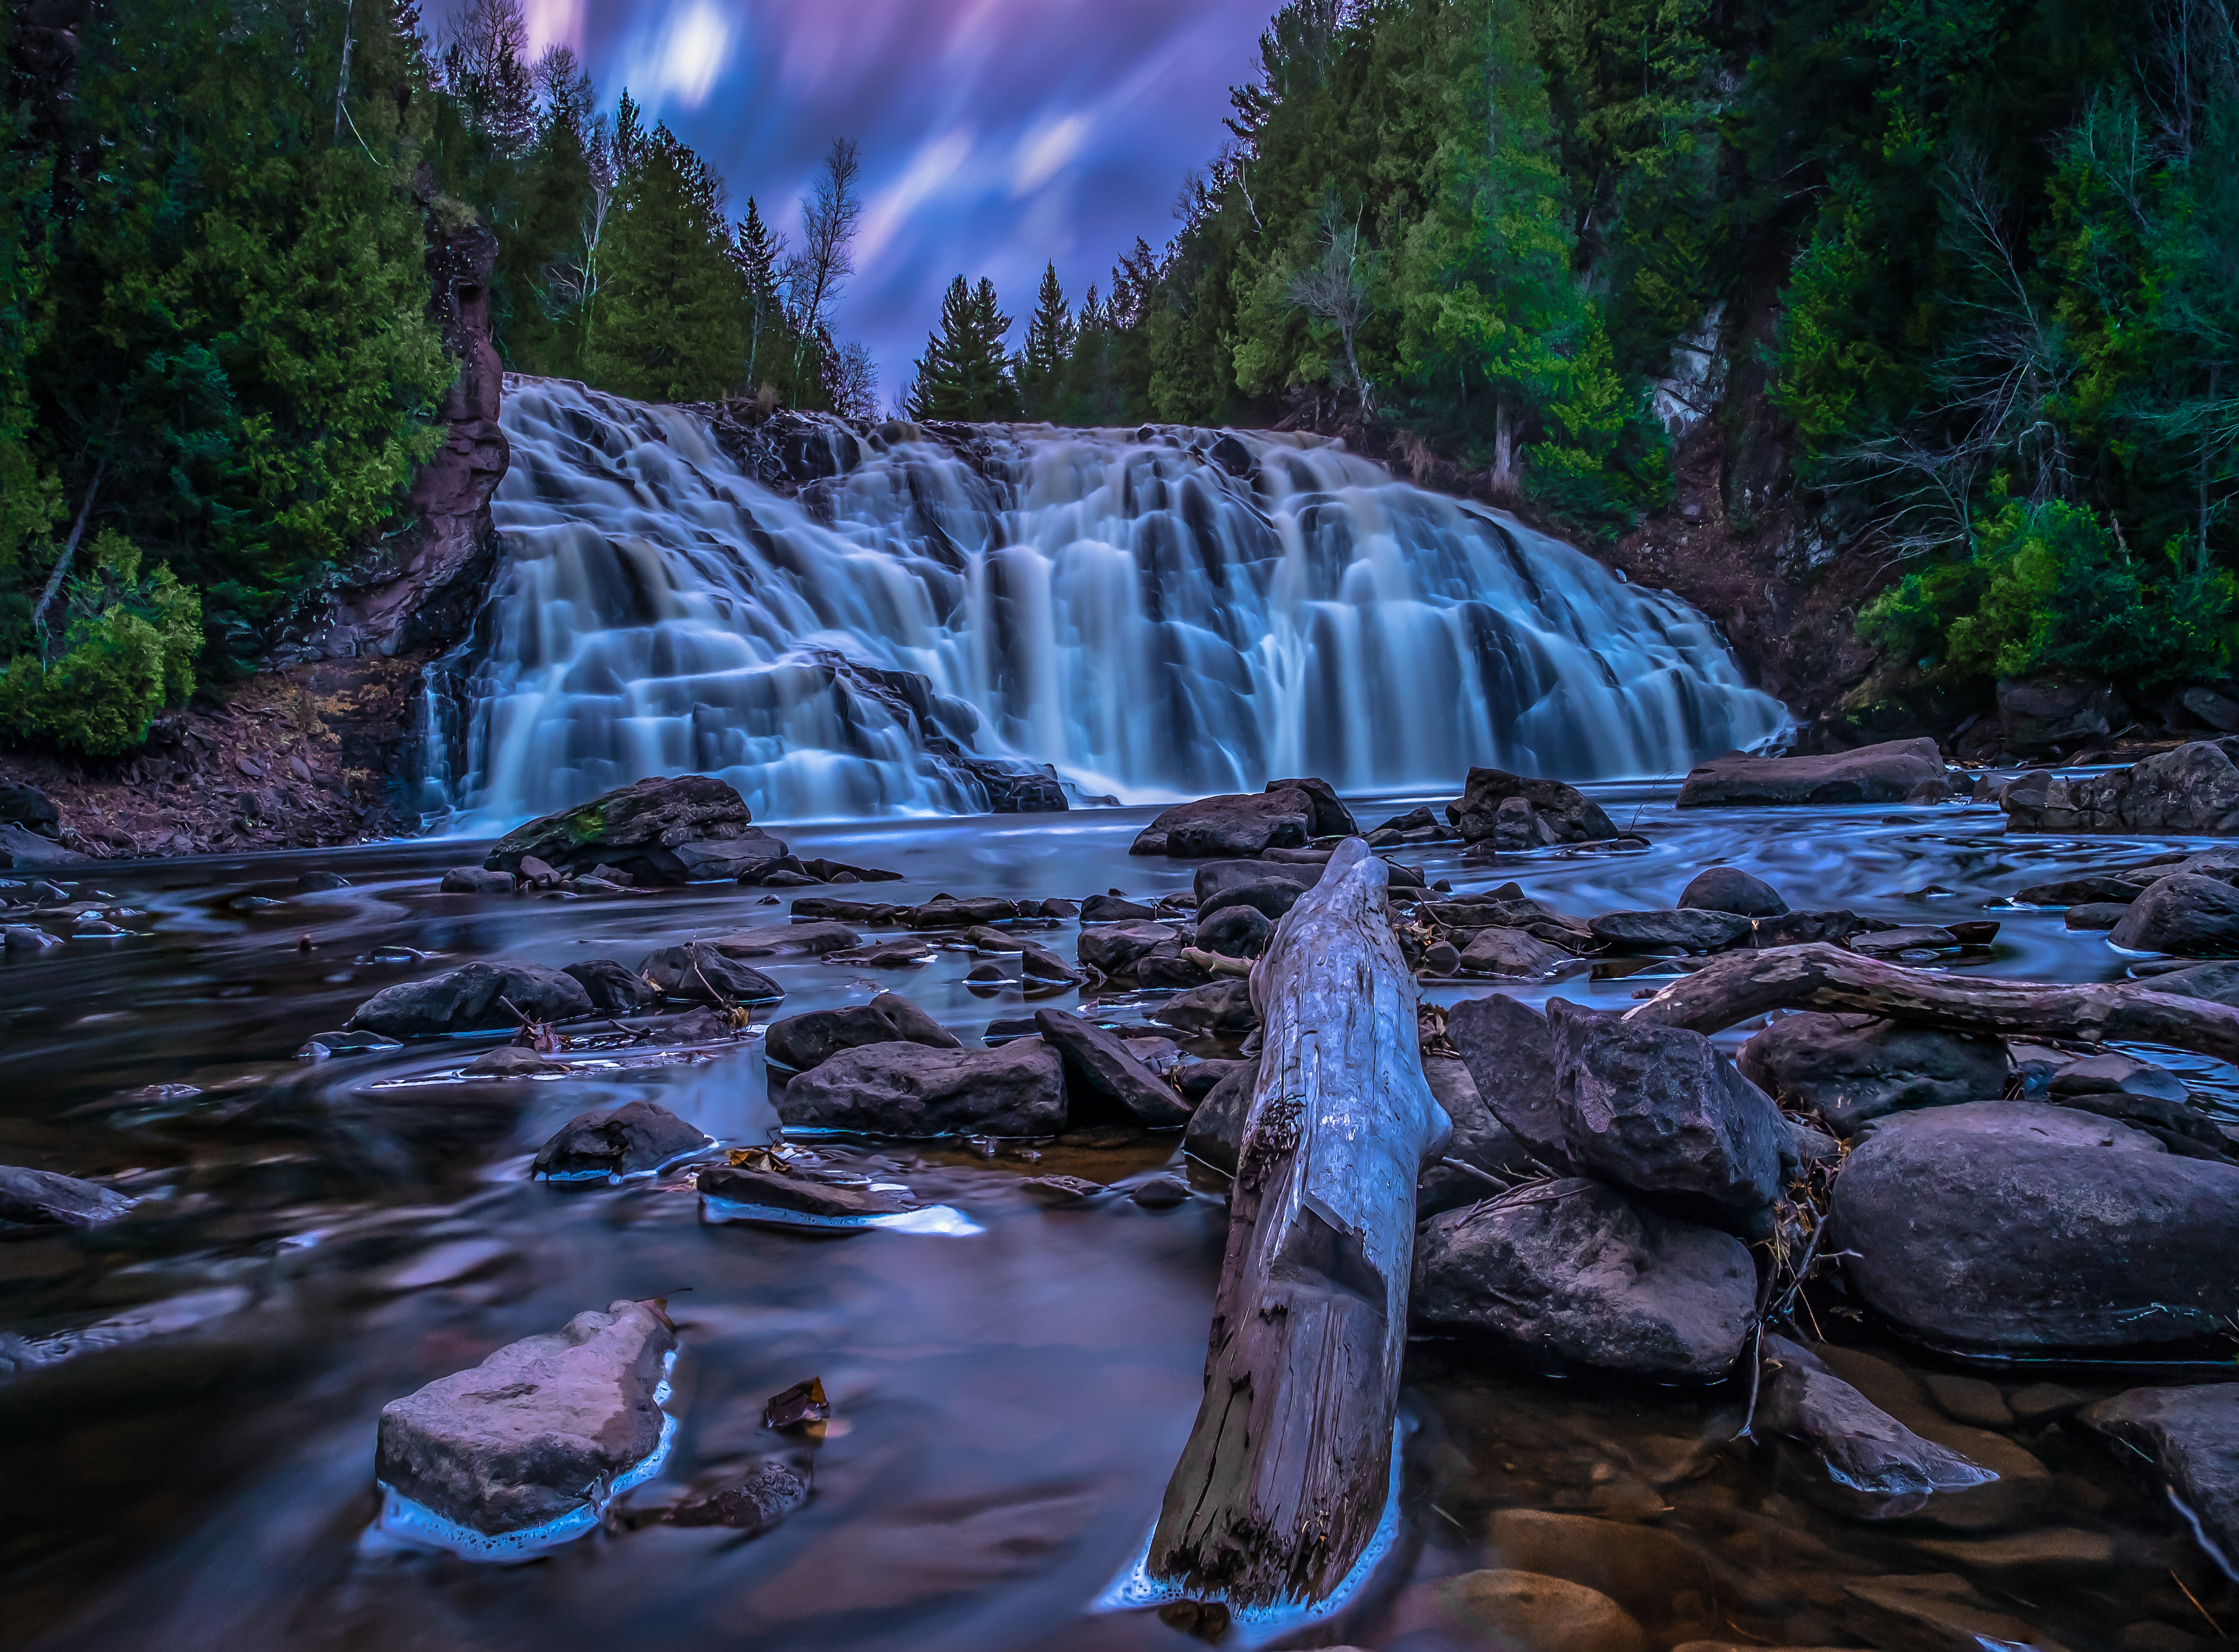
pixel 1148 615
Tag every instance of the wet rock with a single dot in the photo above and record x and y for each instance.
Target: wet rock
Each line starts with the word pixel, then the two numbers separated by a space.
pixel 702 973
pixel 1222 1006
pixel 476 880
pixel 754 1502
pixel 2192 1435
pixel 1215 1134
pixel 2042 1401
pixel 25 805
pixel 868 914
pixel 473 998
pixel 612 989
pixel 1661 1110
pixel 514 1061
pixel 1237 825
pixel 803 1042
pixel 1332 819
pixel 1904 937
pixel 1270 897
pixel 1691 932
pixel 801 1195
pixel 536 874
pixel 1641 1567
pixel 948 912
pixel 774 940
pixel 1441 959
pixel 2185 914
pixel 1058 908
pixel 1937 1613
pixel 2096 917
pixel 635 1138
pixel 2094 888
pixel 1059 1189
pixel 1479 1139
pixel 1235 932
pixel 1799 929
pixel 843 872
pixel 2046 715
pixel 531 1434
pixel 2118 1074
pixel 1729 889
pixel 21 848
pixel 1864 1449
pixel 1547 811
pixel 1852 1069
pixel 2193 791
pixel 1043 968
pixel 1160 1193
pixel 1884 774
pixel 1510 1054
pixel 1115 909
pixel 1506 1610
pixel 1573 1270
pixel 1102 1077
pixel 986 975
pixel 684 830
pixel 2014 1226
pixel 44 1201
pixel 1418 818
pixel 1511 954
pixel 23 937
pixel 904 1089
pixel 1114 949
pixel 318 882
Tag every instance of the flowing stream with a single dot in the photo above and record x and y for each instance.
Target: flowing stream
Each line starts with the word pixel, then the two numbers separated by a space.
pixel 1148 615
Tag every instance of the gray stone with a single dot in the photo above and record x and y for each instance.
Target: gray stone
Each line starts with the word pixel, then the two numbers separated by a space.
pixel 2091 888
pixel 1270 897
pixel 1574 1272
pixel 774 940
pixel 1799 929
pixel 1543 812
pixel 476 880
pixel 1239 823
pixel 612 988
pixel 26 938
pixel 1114 949
pixel 35 1201
pixel 658 831
pixel 473 998
pixel 801 1195
pixel 1332 819
pixel 20 848
pixel 1884 774
pixel 1235 932
pixel 1864 1448
pixel 2184 914
pixel 2192 1435
pixel 1511 954
pixel 1729 889
pixel 2046 715
pixel 1224 1005
pixel 1692 932
pixel 1214 1136
pixel 1112 909
pixel 1103 1078
pixel 2018 1226
pixel 25 805
pixel 633 1138
pixel 904 1089
pixel 2193 791
pixel 1160 1193
pixel 2097 916
pixel 1851 1068
pixel 515 1061
pixel 699 974
pixel 803 1042
pixel 1479 1140
pixel 531 1434
pixel 1509 1052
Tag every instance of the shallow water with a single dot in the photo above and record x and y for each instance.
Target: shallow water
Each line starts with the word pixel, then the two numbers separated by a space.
pixel 192 1448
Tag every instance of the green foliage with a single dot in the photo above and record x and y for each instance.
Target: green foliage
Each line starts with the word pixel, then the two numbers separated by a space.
pixel 2048 589
pixel 965 372
pixel 127 653
pixel 1051 338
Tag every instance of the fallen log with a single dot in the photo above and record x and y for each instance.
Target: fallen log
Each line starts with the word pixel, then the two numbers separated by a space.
pixel 1820 977
pixel 1285 1475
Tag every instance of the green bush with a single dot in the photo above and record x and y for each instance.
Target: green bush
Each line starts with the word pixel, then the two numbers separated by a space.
pixel 128 651
pixel 2050 589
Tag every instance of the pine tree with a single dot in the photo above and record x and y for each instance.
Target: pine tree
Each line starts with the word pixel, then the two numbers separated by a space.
pixel 1047 357
pixel 964 372
pixel 759 253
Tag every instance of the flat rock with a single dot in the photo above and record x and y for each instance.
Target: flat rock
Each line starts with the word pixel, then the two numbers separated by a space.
pixel 1114 949
pixel 1574 1271
pixel 631 1139
pixel 2185 914
pixel 2091 888
pixel 2191 791
pixel 613 988
pixel 44 1201
pixel 1853 1069
pixel 1115 909
pixel 1677 930
pixel 476 880
pixel 473 998
pixel 515 1061
pixel 815 938
pixel 1885 773
pixel 905 1089
pixel 659 830
pixel 2192 1435
pixel 949 911
pixel 1538 812
pixel 20 848
pixel 1233 826
pixel 531 1434
pixel 1729 889
pixel 1836 924
pixel 1863 1448
pixel 2019 1226
pixel 868 914
pixel 802 1195
pixel 803 1041
pixel 698 973
pixel 1103 1078
pixel 1055 1191
pixel 1505 1611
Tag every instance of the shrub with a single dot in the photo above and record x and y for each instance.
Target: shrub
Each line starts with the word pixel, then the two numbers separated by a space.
pixel 128 651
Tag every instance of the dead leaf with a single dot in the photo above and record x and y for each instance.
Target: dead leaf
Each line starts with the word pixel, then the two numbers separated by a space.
pixel 803 1406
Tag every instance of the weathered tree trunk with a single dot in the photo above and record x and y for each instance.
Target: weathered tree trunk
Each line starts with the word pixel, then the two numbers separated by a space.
pixel 1285 1476
pixel 1820 977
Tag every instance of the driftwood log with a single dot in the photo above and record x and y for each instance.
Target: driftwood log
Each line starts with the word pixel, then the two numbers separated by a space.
pixel 1819 977
pixel 1285 1477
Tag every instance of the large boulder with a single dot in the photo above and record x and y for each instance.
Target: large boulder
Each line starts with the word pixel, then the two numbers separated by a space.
pixel 1114 949
pixel 472 999
pixel 1331 818
pixel 1659 1110
pixel 905 1089
pixel 1235 824
pixel 43 1201
pixel 2046 715
pixel 1104 1078
pixel 1510 1056
pixel 1574 1272
pixel 2193 791
pixel 691 829
pixel 1852 1069
pixel 805 1041
pixel 538 1431
pixel 2192 1437
pixel 635 1138
pixel 1884 773
pixel 2013 1225
pixel 1729 889
pixel 1515 811
pixel 2185 914
pixel 700 973
pixel 1270 897
pixel 25 805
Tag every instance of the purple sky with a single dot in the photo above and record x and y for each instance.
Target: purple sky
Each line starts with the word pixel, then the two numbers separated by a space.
pixel 997 134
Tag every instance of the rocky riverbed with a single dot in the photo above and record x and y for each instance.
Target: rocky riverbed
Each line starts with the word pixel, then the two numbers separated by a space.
pixel 332 1211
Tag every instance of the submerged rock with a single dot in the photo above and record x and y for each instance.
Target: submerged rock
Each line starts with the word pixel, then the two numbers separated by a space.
pixel 754 1502
pixel 2192 1435
pixel 803 1195
pixel 1512 1609
pixel 634 1139
pixel 1884 774
pixel 533 1433
pixel 35 1201
pixel 1479 1141
pixel 1864 1448
pixel 2015 1225
pixel 1573 1270
pixel 803 1041
pixel 692 828
pixel 1729 889
pixel 1104 1077
pixel 1853 1069
pixel 473 998
pixel 1215 1133
pixel 1641 1567
pixel 477 880
pixel 904 1089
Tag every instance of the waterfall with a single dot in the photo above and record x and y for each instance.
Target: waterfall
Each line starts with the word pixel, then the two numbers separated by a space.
pixel 1147 614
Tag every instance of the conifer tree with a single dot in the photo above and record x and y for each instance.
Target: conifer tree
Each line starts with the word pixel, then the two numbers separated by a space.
pixel 1048 355
pixel 759 253
pixel 964 372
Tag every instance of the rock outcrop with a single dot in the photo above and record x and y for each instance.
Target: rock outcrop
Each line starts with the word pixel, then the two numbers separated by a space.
pixel 1238 825
pixel 2193 790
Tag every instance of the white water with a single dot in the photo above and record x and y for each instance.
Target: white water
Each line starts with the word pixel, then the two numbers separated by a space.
pixel 1120 609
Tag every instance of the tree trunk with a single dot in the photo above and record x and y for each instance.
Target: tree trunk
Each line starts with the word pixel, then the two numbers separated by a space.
pixel 1284 1479
pixel 1820 977
pixel 1504 446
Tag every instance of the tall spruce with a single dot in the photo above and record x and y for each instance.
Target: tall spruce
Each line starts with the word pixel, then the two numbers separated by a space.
pixel 964 372
pixel 1048 358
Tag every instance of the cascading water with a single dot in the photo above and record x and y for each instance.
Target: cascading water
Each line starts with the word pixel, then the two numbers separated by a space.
pixel 1160 613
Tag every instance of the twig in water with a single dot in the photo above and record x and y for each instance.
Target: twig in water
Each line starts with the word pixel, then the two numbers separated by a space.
pixel 2195 1599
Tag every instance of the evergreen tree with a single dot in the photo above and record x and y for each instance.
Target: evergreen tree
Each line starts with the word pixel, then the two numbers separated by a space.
pixel 1044 363
pixel 759 254
pixel 964 372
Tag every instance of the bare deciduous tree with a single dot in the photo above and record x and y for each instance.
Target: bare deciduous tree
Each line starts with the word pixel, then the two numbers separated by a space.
pixel 830 215
pixel 1335 288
